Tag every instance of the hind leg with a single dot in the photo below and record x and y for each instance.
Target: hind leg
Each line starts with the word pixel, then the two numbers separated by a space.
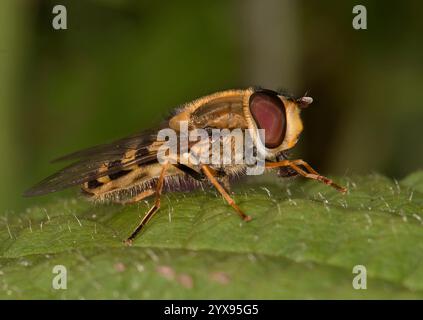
pixel 140 196
pixel 152 210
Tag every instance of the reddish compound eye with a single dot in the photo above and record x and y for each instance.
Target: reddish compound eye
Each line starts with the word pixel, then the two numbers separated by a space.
pixel 269 114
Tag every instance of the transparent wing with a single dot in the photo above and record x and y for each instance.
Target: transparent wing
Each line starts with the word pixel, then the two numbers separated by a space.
pixel 116 148
pixel 97 162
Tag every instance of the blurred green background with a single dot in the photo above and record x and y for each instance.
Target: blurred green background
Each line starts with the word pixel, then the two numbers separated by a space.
pixel 122 65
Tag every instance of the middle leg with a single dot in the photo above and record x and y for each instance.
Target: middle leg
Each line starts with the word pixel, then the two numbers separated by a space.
pixel 209 173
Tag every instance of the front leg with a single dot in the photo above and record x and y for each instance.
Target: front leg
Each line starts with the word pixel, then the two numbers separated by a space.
pixel 311 174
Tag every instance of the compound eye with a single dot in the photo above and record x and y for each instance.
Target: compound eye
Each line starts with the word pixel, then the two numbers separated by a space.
pixel 268 111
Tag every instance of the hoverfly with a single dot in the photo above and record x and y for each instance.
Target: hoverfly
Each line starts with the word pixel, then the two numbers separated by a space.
pixel 128 170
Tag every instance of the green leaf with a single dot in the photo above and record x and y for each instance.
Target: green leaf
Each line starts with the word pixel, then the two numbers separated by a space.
pixel 303 242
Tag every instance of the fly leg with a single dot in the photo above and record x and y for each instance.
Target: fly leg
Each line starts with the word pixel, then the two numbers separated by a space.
pixel 310 173
pixel 138 197
pixel 209 172
pixel 152 210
